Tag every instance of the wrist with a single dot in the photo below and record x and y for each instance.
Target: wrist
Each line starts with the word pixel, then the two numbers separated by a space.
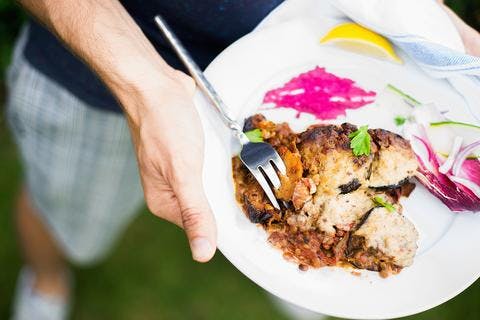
pixel 141 90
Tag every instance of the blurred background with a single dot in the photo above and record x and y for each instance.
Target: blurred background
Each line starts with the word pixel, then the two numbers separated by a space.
pixel 150 275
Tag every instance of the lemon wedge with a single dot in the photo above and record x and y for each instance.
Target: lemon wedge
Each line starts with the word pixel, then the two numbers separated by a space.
pixel 353 37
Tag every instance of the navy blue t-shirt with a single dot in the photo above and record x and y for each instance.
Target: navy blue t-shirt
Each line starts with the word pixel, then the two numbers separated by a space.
pixel 205 27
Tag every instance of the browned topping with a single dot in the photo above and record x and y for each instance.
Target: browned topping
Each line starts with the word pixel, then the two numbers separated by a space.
pixel 327 137
pixel 385 139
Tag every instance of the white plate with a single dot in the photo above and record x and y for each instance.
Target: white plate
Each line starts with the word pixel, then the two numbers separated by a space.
pixel 447 261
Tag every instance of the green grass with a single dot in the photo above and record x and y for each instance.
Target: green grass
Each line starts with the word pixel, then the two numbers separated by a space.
pixel 150 274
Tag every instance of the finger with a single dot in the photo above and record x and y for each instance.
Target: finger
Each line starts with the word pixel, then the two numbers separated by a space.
pixel 168 208
pixel 161 201
pixel 197 219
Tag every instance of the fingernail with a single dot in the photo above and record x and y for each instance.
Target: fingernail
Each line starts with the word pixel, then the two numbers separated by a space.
pixel 201 249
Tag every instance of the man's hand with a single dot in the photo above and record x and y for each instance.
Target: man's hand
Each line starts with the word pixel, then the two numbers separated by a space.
pixel 168 140
pixel 158 104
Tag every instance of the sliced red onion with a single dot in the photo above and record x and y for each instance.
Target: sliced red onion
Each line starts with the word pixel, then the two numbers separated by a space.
pixel 461 193
pixel 456 196
pixel 472 186
pixel 462 156
pixel 471 170
pixel 427 158
pixel 447 165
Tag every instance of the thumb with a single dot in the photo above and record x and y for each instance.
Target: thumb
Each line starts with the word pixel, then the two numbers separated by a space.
pixel 197 219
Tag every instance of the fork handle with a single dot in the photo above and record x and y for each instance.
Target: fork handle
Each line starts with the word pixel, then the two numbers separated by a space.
pixel 200 79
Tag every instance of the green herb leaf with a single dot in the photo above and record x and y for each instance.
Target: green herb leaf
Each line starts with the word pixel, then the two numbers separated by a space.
pixel 400 121
pixel 254 135
pixel 360 141
pixel 382 202
pixel 409 99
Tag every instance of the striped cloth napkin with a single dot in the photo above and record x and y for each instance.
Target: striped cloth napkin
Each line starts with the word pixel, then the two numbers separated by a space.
pixel 425 32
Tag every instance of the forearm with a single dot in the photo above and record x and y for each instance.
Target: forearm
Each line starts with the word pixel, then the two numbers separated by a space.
pixel 470 36
pixel 105 37
pixel 158 101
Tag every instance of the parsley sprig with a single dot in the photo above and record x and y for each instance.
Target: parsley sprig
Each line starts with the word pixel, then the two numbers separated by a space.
pixel 360 141
pixel 382 202
pixel 254 135
pixel 400 121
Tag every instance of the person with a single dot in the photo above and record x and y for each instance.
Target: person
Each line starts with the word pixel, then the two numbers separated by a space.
pixel 470 36
pixel 103 114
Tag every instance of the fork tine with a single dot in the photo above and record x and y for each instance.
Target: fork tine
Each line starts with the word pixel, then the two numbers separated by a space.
pixel 278 162
pixel 266 187
pixel 271 174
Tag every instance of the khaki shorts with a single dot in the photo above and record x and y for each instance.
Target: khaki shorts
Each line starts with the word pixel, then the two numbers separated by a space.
pixel 78 162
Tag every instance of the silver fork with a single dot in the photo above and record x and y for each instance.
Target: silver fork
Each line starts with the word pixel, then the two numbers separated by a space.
pixel 260 158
